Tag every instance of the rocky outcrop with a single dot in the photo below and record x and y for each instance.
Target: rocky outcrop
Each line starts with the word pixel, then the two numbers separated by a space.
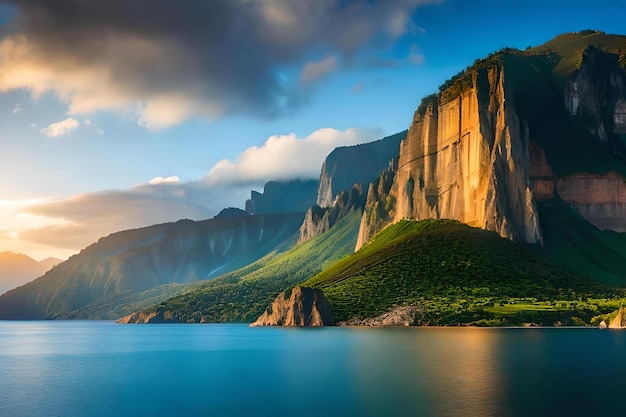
pixel 619 322
pixel 318 220
pixel 359 164
pixel 159 316
pixel 304 307
pixel 380 206
pixel 402 316
pixel 294 196
pixel 466 157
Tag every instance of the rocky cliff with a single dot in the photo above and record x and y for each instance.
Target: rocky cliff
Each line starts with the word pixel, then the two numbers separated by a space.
pixel 466 158
pixel 359 164
pixel 304 307
pixel 619 322
pixel 318 220
pixel 515 129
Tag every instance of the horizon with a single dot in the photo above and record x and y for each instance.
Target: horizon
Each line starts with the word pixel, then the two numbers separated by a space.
pixel 111 123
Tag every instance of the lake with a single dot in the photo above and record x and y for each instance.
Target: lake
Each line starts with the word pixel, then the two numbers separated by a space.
pixel 86 369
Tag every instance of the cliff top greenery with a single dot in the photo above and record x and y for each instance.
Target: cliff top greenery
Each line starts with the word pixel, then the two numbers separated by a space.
pixel 459 275
pixel 563 53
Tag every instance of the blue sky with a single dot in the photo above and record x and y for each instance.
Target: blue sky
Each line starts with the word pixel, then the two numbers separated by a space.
pixel 119 115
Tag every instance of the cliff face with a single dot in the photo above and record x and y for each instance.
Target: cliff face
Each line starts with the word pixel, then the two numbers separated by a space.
pixel 467 159
pixel 318 220
pixel 304 307
pixel 359 164
pixel 515 130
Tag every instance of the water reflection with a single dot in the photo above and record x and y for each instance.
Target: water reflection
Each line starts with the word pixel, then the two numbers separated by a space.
pixel 430 372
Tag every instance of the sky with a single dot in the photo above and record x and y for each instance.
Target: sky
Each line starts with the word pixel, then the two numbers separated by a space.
pixel 123 114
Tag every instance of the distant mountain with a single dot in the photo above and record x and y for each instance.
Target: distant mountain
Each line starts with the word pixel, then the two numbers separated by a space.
pixel 127 265
pixel 283 197
pixel 17 269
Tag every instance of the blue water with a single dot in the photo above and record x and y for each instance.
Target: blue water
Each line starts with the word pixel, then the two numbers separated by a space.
pixel 88 369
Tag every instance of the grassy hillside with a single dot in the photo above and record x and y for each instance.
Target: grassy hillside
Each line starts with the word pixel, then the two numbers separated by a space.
pixel 459 275
pixel 243 295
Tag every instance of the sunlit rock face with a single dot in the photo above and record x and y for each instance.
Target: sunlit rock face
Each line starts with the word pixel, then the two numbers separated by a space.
pixel 304 307
pixel 467 159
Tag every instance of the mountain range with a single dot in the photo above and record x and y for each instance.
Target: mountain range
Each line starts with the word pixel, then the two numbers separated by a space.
pixel 17 269
pixel 529 146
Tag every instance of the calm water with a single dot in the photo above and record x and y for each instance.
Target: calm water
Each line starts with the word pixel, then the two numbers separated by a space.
pixel 104 369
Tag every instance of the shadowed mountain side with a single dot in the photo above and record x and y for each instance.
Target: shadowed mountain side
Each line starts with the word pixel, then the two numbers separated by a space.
pixel 243 295
pixel 283 197
pixel 135 261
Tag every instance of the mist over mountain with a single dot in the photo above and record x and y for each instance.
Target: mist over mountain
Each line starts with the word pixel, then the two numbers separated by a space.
pixel 17 269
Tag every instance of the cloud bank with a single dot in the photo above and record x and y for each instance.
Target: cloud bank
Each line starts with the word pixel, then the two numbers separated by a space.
pixel 75 222
pixel 166 61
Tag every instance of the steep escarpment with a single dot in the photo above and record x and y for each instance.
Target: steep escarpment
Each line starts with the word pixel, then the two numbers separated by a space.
pixel 466 158
pixel 304 307
pixel 359 164
pixel 93 283
pixel 514 130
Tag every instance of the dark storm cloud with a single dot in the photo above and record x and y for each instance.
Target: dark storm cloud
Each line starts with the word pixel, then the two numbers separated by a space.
pixel 185 57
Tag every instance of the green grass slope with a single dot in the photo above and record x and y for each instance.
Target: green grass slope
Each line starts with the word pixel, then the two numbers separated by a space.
pixel 243 295
pixel 459 275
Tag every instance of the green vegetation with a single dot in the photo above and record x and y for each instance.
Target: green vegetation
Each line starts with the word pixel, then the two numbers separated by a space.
pixel 243 295
pixel 459 275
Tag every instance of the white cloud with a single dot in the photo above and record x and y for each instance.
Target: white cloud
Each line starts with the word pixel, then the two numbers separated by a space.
pixel 87 122
pixel 286 157
pixel 167 180
pixel 69 224
pixel 61 128
pixel 314 71
pixel 18 108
